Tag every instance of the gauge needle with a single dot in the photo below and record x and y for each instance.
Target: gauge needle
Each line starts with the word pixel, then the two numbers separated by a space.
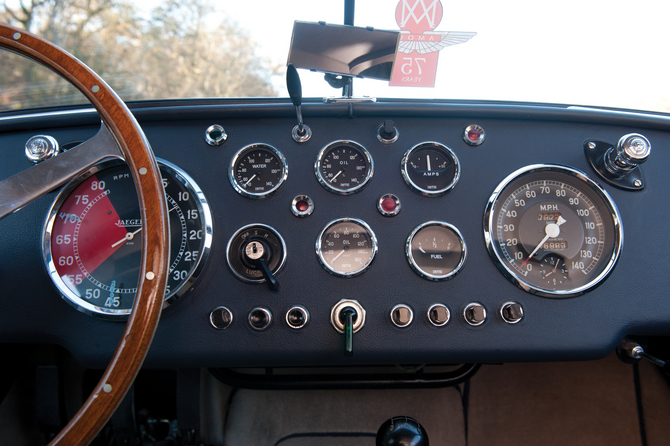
pixel 337 256
pixel 128 236
pixel 428 161
pixel 338 174
pixel 421 249
pixel 247 183
pixel 552 271
pixel 551 230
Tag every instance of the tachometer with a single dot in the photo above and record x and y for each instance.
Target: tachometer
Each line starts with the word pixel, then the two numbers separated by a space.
pixel 91 238
pixel 553 231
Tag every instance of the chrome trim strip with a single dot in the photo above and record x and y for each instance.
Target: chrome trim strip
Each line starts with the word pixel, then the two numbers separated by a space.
pixel 48 114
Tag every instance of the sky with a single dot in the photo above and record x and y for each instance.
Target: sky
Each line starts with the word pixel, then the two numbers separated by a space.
pixel 583 52
pixel 611 53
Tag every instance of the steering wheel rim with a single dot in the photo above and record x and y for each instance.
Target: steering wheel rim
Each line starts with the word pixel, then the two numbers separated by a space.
pixel 141 326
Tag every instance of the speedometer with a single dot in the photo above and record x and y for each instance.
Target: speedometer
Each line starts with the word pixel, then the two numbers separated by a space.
pixel 92 238
pixel 553 231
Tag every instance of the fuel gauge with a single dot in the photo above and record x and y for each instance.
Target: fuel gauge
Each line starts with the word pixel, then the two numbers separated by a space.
pixel 430 168
pixel 436 250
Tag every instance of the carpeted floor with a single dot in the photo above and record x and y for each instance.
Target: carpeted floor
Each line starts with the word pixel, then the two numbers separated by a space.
pixel 573 403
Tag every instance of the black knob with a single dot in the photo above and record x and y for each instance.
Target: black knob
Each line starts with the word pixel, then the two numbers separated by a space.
pixel 387 132
pixel 401 431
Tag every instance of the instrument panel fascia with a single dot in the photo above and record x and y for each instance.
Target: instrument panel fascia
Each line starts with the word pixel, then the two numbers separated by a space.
pixel 633 300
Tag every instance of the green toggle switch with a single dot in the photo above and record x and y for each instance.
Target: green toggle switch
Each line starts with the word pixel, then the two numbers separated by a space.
pixel 349 315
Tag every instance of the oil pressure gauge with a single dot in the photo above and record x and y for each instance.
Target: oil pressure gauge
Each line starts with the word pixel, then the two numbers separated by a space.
pixel 346 247
pixel 430 168
pixel 344 167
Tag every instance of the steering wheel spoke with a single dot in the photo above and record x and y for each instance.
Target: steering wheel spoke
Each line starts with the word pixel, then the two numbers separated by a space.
pixel 119 137
pixel 27 186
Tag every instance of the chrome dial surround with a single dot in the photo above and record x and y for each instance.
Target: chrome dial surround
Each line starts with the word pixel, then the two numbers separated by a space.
pixel 320 242
pixel 418 269
pixel 239 188
pixel 325 151
pixel 186 286
pixel 407 176
pixel 595 190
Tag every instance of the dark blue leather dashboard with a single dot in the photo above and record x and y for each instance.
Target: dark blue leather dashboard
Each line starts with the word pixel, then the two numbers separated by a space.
pixel 634 299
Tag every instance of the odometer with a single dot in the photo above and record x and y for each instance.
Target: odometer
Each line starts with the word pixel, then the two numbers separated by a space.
pixel 92 238
pixel 553 231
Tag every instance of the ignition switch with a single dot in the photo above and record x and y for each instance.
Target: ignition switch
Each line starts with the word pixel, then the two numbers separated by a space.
pixel 256 253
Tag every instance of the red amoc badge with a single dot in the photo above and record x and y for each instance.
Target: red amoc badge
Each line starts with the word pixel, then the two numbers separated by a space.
pixel 418 50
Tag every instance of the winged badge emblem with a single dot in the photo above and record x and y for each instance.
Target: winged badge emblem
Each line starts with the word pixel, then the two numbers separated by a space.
pixel 433 41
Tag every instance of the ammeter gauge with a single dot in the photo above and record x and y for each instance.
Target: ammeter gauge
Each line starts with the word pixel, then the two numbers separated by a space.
pixel 346 247
pixel 92 245
pixel 344 167
pixel 553 231
pixel 430 168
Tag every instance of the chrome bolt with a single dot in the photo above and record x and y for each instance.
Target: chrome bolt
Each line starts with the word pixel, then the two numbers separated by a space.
pixel 592 145
pixel 638 183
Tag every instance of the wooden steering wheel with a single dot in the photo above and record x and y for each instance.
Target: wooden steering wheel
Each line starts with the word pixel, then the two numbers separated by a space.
pixel 120 136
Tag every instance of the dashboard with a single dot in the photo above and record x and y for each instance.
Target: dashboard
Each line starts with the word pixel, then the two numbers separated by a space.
pixel 464 303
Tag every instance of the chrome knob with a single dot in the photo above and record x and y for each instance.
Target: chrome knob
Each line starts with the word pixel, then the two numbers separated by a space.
pixel 632 150
pixel 41 147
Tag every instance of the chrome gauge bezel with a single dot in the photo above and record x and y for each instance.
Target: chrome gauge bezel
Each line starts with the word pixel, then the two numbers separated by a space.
pixel 420 271
pixel 240 153
pixel 174 295
pixel 336 190
pixel 232 238
pixel 439 146
pixel 592 186
pixel 359 271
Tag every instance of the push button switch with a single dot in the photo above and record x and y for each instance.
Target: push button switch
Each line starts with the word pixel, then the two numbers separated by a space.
pixel 260 318
pixel 475 314
pixel 221 318
pixel 402 315
pixel 511 312
pixel 439 315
